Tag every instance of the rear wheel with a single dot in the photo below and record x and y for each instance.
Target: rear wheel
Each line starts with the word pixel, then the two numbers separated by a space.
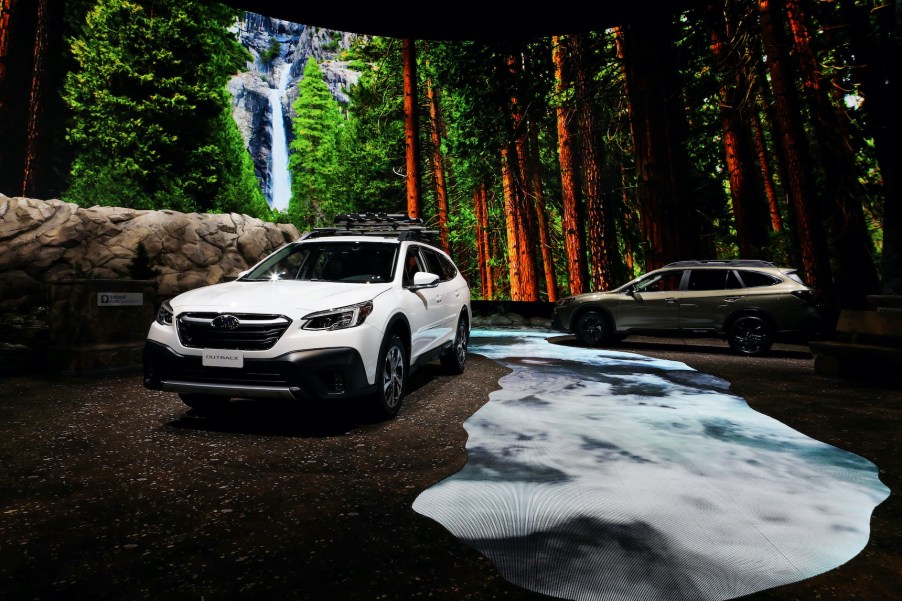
pixel 750 335
pixel 593 329
pixel 454 360
pixel 391 375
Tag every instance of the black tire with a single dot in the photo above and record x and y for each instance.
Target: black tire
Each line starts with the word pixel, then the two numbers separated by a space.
pixel 593 329
pixel 750 335
pixel 454 360
pixel 391 377
pixel 203 403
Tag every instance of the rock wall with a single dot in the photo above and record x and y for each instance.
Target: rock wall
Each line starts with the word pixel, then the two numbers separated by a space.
pixel 44 241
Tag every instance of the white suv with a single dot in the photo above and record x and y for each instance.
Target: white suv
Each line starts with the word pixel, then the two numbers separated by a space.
pixel 343 312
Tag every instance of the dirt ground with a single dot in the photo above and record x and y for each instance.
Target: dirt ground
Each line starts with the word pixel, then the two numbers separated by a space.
pixel 112 491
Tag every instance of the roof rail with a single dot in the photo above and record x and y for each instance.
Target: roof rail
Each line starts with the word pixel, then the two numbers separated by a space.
pixel 397 225
pixel 725 262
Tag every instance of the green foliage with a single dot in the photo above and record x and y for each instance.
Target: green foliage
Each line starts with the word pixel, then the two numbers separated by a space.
pixel 148 107
pixel 241 191
pixel 313 159
pixel 372 148
pixel 272 52
pixel 150 125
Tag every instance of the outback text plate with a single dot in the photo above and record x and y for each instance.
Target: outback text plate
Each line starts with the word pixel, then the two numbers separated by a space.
pixel 223 358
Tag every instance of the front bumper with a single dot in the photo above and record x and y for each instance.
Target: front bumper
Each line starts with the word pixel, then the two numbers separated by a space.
pixel 319 374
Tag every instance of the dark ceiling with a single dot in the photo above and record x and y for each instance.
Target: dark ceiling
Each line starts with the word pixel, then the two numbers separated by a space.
pixel 459 20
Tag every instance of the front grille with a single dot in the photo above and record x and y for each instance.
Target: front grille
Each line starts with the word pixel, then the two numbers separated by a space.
pixel 253 333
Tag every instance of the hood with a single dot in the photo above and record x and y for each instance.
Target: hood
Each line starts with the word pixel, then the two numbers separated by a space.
pixel 292 298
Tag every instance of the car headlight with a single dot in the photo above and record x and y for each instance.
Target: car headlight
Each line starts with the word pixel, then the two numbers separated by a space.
pixel 338 319
pixel 164 314
pixel 564 301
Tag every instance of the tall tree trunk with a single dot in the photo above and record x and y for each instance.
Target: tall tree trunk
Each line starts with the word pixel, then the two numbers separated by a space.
pixel 512 221
pixel 767 176
pixel 47 35
pixel 810 231
pixel 856 273
pixel 544 238
pixel 745 188
pixel 767 107
pixel 599 230
pixel 412 130
pixel 499 285
pixel 627 221
pixel 668 216
pixel 483 249
pixel 877 44
pixel 523 196
pixel 438 166
pixel 17 30
pixel 571 183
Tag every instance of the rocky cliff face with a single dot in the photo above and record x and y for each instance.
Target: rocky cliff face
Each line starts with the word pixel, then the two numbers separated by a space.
pixel 294 43
pixel 48 241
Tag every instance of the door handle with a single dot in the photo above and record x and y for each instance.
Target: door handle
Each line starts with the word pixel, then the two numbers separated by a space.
pixel 731 299
pixel 670 300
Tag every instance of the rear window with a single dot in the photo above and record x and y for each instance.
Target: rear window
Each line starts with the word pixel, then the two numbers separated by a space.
pixel 756 279
pixel 795 277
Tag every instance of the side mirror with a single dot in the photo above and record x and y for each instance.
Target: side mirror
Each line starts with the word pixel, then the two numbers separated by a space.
pixel 630 291
pixel 424 279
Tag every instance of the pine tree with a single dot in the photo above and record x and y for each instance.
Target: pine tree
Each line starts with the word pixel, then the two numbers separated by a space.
pixel 147 101
pixel 313 160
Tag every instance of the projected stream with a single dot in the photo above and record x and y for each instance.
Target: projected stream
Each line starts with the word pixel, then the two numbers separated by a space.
pixel 596 474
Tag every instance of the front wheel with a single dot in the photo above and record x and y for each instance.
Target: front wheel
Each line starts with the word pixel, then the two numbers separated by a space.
pixel 454 360
pixel 593 329
pixel 750 335
pixel 391 375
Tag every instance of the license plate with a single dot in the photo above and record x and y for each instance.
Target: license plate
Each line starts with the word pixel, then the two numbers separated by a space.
pixel 222 358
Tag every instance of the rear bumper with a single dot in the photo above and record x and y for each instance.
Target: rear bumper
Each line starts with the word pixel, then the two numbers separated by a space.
pixel 319 374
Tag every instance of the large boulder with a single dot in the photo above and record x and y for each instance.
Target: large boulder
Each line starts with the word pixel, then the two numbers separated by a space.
pixel 45 241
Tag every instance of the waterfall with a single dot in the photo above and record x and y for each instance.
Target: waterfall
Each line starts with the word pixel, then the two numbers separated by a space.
pixel 281 178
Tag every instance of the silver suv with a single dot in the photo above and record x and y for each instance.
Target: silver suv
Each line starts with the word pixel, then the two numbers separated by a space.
pixel 747 302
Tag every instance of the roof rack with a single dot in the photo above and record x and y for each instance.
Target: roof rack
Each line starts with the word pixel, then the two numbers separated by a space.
pixel 726 262
pixel 397 225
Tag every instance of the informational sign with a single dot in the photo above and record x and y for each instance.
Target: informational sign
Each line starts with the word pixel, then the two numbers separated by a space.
pixel 119 299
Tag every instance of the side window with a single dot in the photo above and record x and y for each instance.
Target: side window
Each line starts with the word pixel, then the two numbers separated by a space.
pixel 756 279
pixel 733 282
pixel 448 267
pixel 667 281
pixel 412 264
pixel 707 279
pixel 434 264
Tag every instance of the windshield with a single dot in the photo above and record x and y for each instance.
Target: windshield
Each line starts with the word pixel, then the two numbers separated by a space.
pixel 360 262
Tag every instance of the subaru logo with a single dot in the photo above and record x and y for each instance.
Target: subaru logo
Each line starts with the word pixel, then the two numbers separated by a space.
pixel 226 322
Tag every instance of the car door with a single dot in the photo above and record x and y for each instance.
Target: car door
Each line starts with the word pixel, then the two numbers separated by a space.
pixel 446 296
pixel 424 307
pixel 710 296
pixel 653 304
